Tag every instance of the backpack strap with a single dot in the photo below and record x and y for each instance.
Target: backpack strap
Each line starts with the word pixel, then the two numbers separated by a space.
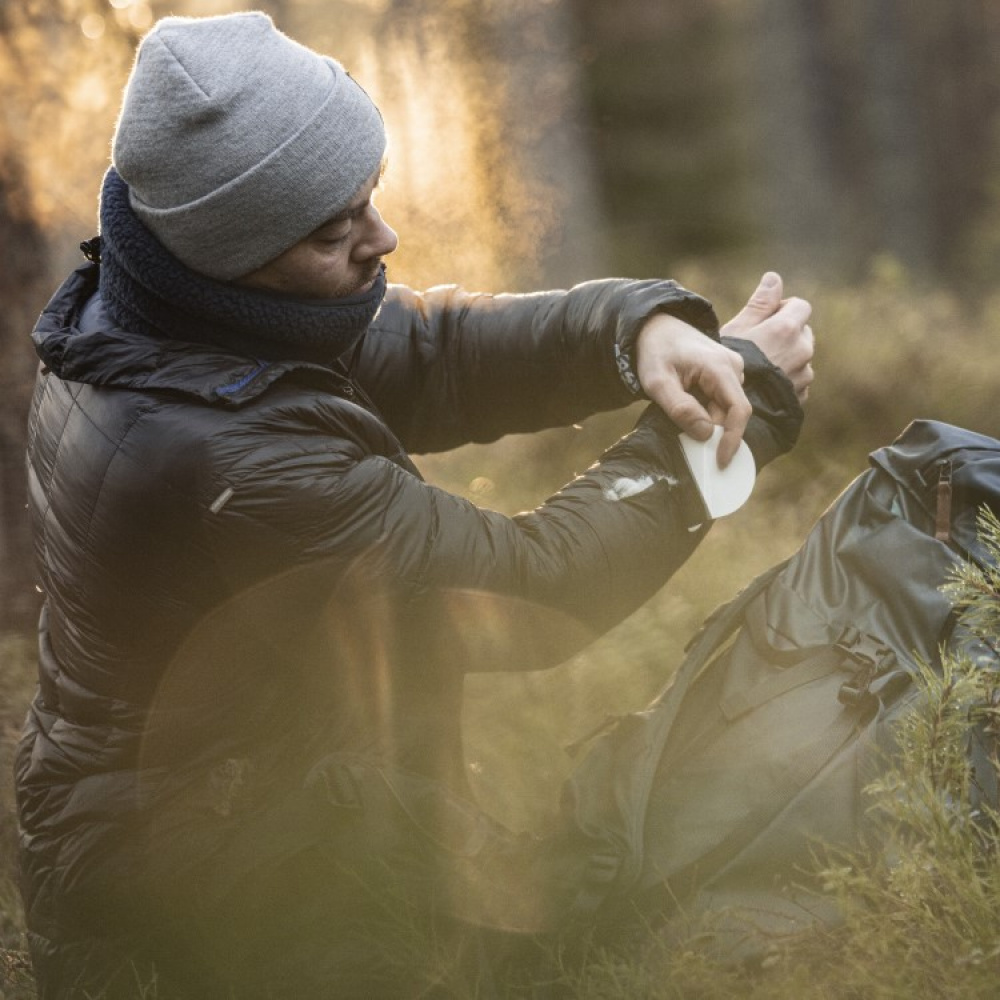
pixel 721 624
pixel 861 655
pixel 821 664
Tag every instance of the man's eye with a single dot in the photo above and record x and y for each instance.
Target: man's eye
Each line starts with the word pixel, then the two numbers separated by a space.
pixel 331 241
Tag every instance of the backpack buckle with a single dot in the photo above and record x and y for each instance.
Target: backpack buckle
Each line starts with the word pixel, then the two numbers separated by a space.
pixel 871 659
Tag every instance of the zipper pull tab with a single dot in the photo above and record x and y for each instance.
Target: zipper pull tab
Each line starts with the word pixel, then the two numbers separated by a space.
pixel 91 249
pixel 942 522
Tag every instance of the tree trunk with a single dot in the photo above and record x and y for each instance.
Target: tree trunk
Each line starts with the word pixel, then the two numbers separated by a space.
pixel 22 288
pixel 542 121
pixel 489 181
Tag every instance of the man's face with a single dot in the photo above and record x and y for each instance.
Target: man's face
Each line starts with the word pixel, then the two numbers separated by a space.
pixel 339 258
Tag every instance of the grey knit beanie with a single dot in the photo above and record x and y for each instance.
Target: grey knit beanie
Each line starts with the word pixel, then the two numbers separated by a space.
pixel 236 141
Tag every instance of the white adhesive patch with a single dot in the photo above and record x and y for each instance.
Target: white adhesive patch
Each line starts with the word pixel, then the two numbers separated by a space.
pixel 722 490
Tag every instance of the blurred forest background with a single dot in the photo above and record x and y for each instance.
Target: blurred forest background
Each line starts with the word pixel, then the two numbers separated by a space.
pixel 852 145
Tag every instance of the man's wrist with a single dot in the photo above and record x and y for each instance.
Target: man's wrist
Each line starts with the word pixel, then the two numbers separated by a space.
pixel 777 413
pixel 641 301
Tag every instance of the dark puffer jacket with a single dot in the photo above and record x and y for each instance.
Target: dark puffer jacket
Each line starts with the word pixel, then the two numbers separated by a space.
pixel 240 564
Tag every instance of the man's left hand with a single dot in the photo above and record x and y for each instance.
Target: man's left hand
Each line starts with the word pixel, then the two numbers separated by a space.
pixel 780 328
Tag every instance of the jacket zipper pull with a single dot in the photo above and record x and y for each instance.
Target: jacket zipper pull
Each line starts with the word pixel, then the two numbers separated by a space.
pixel 942 522
pixel 91 249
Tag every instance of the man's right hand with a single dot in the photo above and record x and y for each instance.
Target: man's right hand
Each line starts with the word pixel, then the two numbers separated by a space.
pixel 694 380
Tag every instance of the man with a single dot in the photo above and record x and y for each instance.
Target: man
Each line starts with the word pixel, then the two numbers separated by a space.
pixel 244 739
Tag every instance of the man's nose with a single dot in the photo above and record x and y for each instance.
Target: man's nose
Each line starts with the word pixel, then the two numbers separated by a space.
pixel 379 239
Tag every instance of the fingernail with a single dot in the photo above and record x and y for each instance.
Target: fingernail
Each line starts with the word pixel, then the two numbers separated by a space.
pixel 769 280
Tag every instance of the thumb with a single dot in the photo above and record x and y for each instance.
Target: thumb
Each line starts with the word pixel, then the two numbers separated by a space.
pixel 766 297
pixel 764 303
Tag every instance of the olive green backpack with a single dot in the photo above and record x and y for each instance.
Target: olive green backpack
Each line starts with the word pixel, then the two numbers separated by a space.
pixel 715 799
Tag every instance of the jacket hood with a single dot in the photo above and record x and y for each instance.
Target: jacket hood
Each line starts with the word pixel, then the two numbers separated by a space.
pixel 77 341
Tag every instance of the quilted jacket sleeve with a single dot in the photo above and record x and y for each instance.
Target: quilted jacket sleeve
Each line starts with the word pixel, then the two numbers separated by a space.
pixel 448 367
pixel 596 549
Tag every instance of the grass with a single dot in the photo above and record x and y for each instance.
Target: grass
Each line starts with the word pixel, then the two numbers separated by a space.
pixel 17 672
pixel 929 926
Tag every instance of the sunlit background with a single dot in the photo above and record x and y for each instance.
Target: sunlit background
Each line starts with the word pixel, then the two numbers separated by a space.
pixel 853 145
pixel 546 141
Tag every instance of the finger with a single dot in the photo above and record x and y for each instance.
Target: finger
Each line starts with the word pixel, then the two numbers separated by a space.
pixel 785 329
pixel 727 405
pixel 786 337
pixel 804 384
pixel 681 406
pixel 733 428
pixel 804 348
pixel 795 311
pixel 809 339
